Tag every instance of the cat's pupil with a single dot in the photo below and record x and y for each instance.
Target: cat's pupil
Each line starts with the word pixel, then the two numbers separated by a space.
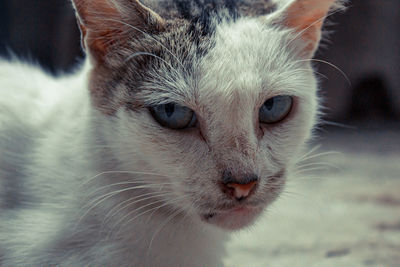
pixel 269 103
pixel 169 109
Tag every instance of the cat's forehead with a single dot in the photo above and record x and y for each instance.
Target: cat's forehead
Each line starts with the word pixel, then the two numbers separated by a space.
pixel 207 49
pixel 240 59
pixel 237 61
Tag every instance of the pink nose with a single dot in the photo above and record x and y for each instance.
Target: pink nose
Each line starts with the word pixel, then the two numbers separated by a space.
pixel 239 191
pixel 239 188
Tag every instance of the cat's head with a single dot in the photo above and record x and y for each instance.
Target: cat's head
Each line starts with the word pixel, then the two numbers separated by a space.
pixel 217 101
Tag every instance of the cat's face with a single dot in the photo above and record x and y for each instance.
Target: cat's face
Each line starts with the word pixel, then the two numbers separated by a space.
pixel 220 114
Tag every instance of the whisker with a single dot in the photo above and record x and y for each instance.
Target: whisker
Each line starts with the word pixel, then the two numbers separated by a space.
pixel 176 213
pixel 340 125
pixel 144 212
pixel 308 177
pixel 129 202
pixel 140 182
pixel 322 154
pixel 104 197
pixel 310 169
pixel 312 150
pixel 329 64
pixel 327 164
pixel 123 172
pixel 116 192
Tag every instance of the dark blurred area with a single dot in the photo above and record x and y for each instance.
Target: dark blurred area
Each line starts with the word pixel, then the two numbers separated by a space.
pixel 42 31
pixel 364 45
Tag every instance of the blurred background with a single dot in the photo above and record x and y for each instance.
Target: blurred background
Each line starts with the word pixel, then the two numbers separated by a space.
pixel 348 214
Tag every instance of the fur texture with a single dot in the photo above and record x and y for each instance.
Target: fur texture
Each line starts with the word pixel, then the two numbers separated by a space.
pixel 88 177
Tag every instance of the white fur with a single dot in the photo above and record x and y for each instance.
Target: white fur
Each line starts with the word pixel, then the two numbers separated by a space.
pixel 59 147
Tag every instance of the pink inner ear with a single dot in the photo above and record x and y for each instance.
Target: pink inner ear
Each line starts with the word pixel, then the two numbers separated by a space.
pixel 98 24
pixel 307 17
pixel 92 13
pixel 105 26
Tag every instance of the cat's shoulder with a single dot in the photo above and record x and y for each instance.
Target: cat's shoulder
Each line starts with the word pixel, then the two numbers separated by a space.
pixel 15 72
pixel 20 78
pixel 31 93
pixel 23 84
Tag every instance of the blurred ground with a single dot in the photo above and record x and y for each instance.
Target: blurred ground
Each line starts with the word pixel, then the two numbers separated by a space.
pixel 345 215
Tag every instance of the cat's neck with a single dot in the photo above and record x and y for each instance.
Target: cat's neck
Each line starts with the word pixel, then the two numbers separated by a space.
pixel 158 240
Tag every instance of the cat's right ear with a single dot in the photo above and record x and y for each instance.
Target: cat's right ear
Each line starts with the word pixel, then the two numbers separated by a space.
pixel 306 17
pixel 107 25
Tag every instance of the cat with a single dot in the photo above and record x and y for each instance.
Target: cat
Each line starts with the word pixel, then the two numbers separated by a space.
pixel 180 127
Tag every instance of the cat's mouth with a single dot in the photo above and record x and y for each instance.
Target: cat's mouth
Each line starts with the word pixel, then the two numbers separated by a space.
pixel 233 219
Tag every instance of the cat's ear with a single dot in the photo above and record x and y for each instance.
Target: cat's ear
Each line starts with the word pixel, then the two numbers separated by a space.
pixel 306 17
pixel 107 24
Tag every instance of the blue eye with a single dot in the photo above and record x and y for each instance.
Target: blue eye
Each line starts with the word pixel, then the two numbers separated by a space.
pixel 173 116
pixel 276 109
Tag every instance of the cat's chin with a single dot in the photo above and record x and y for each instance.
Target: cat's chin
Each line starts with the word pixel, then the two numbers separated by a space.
pixel 233 219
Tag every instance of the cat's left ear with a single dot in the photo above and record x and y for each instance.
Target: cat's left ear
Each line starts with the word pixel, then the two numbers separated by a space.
pixel 306 17
pixel 108 24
